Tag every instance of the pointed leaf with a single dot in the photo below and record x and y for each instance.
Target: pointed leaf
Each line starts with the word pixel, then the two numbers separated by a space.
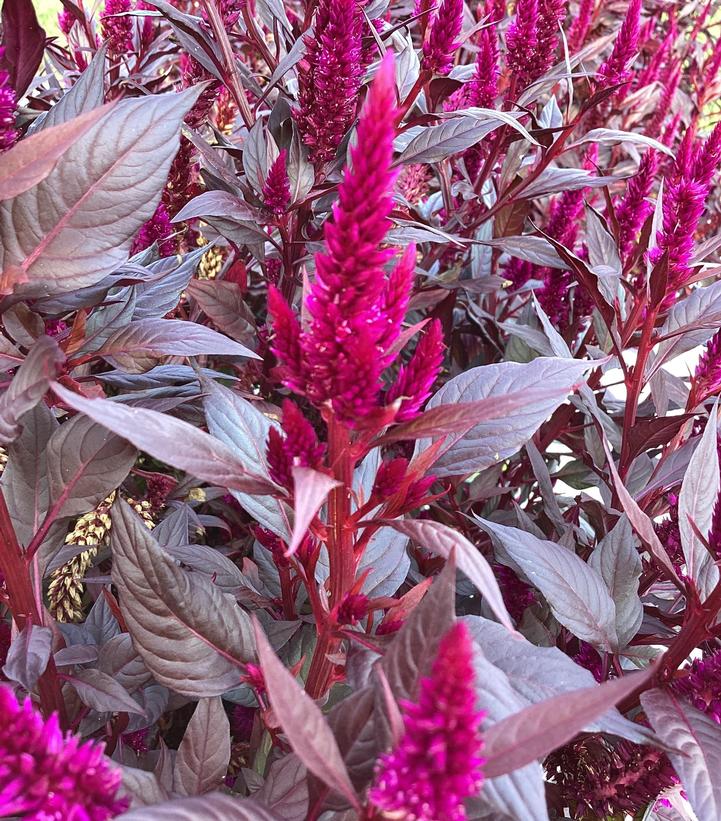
pixel 28 655
pixel 103 693
pixel 72 229
pixel 85 463
pixel 158 434
pixel 195 650
pixel 541 728
pixel 32 159
pixel 441 539
pixel 616 559
pixel 176 337
pixel 29 385
pixel 696 501
pixel 575 592
pixel 694 741
pixel 488 443
pixel 204 753
pixel 311 489
pixel 302 721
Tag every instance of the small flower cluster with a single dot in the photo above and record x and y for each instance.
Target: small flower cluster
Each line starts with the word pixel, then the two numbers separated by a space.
pixel 437 763
pixel 48 776
pixel 8 104
pixel 600 777
pixel 117 27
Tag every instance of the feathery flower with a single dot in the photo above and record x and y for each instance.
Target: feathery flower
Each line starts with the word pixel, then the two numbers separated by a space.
pixel 192 73
pixel 482 89
pixel 389 477
pixel 707 378
pixel 670 87
pixel 45 775
pixel 701 685
pixel 437 763
pixel 441 43
pixel 415 380
pixel 298 447
pixel 353 608
pixel 413 182
pixel 329 78
pixel 338 357
pixel 581 25
pixel 683 207
pixel 65 21
pixel 276 188
pixel 600 777
pixel 615 69
pixel 708 157
pixel 157 229
pixel 532 39
pixel 8 103
pixel 517 594
pixel 633 208
pixel 117 30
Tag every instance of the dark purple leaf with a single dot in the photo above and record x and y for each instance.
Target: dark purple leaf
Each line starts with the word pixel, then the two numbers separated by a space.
pixel 28 655
pixel 543 727
pixel 204 753
pixel 159 434
pixel 24 42
pixel 302 722
pixel 103 693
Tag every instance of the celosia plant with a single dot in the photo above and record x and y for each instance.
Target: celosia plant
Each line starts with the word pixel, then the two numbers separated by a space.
pixel 358 419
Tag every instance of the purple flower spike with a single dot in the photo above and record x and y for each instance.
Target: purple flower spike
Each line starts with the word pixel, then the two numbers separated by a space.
pixel 615 69
pixel 330 77
pixel 437 763
pixel 276 189
pixel 117 30
pixel 532 39
pixel 441 43
pixel 416 379
pixel 8 103
pixel 48 776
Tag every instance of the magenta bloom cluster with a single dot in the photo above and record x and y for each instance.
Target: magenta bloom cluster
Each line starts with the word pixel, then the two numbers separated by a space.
pixel 117 26
pixel 48 776
pixel 437 763
pixel 532 39
pixel 442 40
pixel 355 309
pixel 8 103
pixel 329 77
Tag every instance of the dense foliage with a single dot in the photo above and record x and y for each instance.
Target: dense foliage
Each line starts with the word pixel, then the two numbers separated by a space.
pixel 358 410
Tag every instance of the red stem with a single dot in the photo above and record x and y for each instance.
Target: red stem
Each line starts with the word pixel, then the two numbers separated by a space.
pixel 16 570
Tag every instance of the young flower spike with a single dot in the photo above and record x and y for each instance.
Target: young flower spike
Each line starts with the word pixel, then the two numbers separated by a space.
pixel 633 208
pixel 45 775
pixel 8 103
pixel 329 78
pixel 299 447
pixel 441 43
pixel 355 309
pixel 437 763
pixel 117 27
pixel 615 69
pixel 276 189
pixel 415 380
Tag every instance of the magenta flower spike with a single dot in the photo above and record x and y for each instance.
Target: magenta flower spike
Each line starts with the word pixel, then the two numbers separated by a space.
pixel 298 447
pixel 634 207
pixel 415 380
pixel 437 763
pixel 481 91
pixel 157 229
pixel 442 41
pixel 276 189
pixel 8 104
pixel 532 39
pixel 329 78
pixel 581 25
pixel 48 776
pixel 117 30
pixel 707 382
pixel 615 69
pixel 702 685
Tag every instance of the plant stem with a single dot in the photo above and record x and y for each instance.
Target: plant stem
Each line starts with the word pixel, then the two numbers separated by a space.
pixel 340 553
pixel 16 571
